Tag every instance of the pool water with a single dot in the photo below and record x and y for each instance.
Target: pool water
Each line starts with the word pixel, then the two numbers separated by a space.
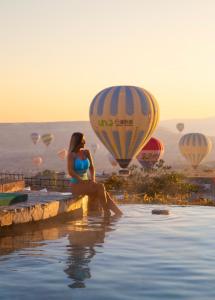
pixel 137 256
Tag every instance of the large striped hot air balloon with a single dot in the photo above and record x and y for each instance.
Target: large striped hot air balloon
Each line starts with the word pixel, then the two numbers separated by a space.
pixel 180 127
pixel 150 153
pixel 35 137
pixel 124 118
pixel 194 147
pixel 47 138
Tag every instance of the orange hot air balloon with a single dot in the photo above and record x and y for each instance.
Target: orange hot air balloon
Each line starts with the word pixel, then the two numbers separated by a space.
pixel 150 153
pixel 124 118
pixel 62 154
pixel 37 160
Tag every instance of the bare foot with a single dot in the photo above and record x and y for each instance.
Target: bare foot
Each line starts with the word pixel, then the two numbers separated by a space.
pixel 118 214
pixel 107 214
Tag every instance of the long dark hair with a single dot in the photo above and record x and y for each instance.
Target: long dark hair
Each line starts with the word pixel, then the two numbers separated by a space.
pixel 75 141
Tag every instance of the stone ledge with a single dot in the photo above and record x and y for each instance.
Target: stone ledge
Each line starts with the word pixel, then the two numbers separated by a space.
pixel 14 186
pixel 44 210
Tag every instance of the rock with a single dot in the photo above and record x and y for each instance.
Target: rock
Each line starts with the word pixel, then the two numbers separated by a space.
pixel 160 212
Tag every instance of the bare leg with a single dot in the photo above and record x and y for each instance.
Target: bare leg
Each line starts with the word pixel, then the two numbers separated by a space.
pixel 93 189
pixel 112 205
pixel 101 194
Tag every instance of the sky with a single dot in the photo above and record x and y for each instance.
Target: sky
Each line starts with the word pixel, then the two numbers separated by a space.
pixel 56 55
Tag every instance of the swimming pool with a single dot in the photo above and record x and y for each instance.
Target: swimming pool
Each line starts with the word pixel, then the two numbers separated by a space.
pixel 139 256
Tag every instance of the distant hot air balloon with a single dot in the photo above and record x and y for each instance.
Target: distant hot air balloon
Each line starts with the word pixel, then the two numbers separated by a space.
pixel 194 147
pixel 37 160
pixel 150 153
pixel 94 147
pixel 180 127
pixel 124 118
pixel 35 137
pixel 62 154
pixel 47 138
pixel 112 160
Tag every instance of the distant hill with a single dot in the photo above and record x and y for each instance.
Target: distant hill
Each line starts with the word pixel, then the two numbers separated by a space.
pixel 17 149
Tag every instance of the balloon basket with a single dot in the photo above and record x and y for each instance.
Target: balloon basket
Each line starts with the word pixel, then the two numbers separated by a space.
pixel 124 172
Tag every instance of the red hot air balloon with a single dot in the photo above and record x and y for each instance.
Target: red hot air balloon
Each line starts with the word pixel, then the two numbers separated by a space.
pixel 150 153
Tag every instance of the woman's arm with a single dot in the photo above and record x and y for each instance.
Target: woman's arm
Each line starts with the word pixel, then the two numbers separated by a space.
pixel 92 169
pixel 70 167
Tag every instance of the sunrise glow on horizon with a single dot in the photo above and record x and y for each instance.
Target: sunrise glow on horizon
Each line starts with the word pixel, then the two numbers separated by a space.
pixel 57 55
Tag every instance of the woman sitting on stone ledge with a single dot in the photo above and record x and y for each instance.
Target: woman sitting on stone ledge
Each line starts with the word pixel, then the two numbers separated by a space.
pixel 79 162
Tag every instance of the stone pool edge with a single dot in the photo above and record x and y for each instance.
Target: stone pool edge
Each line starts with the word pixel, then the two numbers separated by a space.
pixel 74 207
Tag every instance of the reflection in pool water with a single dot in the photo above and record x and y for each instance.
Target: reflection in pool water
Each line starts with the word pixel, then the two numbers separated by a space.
pixel 81 249
pixel 83 236
pixel 139 256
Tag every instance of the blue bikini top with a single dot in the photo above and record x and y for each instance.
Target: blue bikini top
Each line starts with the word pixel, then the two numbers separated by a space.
pixel 81 165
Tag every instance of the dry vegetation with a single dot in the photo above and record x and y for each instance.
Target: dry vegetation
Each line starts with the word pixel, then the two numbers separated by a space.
pixel 160 185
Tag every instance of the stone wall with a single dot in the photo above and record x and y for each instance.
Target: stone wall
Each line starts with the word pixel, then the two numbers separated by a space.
pixel 12 186
pixel 43 211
